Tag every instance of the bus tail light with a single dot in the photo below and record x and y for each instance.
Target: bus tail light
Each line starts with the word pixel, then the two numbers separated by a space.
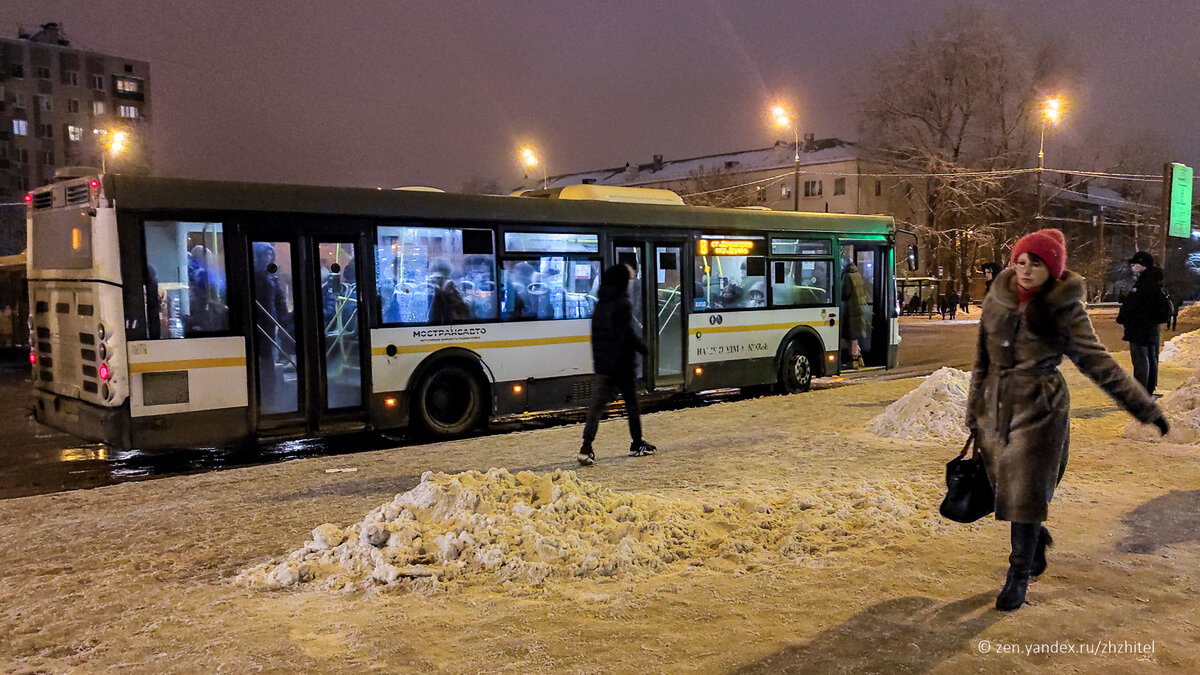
pixel 104 371
pixel 33 358
pixel 29 198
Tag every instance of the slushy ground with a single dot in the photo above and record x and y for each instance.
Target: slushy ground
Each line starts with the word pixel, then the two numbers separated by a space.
pixel 138 577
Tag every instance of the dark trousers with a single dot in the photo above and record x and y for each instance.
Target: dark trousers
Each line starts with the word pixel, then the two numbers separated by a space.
pixel 1145 364
pixel 605 389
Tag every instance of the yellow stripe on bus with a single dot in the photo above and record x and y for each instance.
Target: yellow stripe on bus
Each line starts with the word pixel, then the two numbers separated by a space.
pixel 186 364
pixel 761 326
pixel 483 344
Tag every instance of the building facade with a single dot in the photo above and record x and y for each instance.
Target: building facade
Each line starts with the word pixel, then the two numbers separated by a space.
pixel 56 105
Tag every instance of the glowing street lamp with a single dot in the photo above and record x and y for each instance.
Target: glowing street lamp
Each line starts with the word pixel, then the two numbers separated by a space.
pixel 1052 110
pixel 783 119
pixel 112 142
pixel 530 160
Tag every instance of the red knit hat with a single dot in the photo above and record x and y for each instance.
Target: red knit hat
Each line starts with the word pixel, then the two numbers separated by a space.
pixel 1047 244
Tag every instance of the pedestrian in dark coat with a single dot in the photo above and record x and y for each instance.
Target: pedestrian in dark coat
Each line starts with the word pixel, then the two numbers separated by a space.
pixel 1019 406
pixel 616 343
pixel 856 324
pixel 1143 311
pixel 991 270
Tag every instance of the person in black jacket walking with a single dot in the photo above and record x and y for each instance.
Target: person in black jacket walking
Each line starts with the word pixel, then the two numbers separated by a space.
pixel 615 344
pixel 1143 311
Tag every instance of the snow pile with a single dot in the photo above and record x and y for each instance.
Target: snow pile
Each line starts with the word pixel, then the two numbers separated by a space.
pixel 1182 351
pixel 1182 407
pixel 499 528
pixel 1189 311
pixel 935 410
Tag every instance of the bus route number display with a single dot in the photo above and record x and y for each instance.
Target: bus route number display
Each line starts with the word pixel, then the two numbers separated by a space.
pixel 726 247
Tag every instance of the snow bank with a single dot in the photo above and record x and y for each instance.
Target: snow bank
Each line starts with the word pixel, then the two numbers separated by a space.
pixel 1182 407
pixel 935 410
pixel 1189 311
pixel 1182 351
pixel 521 529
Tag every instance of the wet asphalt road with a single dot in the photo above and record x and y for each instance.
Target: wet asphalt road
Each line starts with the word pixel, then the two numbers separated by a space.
pixel 37 460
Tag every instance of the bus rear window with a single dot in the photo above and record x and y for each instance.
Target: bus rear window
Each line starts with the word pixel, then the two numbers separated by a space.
pixel 62 240
pixel 185 279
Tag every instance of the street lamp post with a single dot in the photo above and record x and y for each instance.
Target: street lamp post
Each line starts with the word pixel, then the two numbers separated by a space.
pixel 1051 111
pixel 111 142
pixel 529 159
pixel 783 119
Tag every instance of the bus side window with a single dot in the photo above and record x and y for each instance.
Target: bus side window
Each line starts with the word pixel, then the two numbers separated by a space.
pixel 796 283
pixel 549 287
pixel 435 276
pixel 185 279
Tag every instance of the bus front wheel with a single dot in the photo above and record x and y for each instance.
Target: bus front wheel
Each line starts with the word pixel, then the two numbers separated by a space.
pixel 796 370
pixel 450 401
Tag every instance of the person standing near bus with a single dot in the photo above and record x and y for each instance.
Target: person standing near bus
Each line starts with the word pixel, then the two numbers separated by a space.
pixel 1143 311
pixel 855 324
pixel 1018 407
pixel 616 343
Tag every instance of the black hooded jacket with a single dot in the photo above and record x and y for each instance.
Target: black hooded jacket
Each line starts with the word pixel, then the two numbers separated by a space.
pixel 1145 308
pixel 615 339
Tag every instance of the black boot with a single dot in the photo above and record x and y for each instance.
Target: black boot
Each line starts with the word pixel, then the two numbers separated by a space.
pixel 1024 542
pixel 1045 541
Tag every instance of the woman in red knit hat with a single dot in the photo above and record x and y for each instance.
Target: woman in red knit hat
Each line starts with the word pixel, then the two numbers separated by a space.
pixel 1019 408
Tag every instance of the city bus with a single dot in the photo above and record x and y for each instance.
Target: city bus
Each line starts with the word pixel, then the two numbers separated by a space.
pixel 169 313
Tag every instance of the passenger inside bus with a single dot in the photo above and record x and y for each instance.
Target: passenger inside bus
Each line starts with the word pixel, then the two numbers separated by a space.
pixel 448 306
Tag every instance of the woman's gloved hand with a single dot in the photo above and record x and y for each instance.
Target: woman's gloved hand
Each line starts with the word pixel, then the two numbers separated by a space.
pixel 1162 425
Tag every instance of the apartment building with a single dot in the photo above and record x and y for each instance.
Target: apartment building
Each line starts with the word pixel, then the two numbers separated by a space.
pixel 56 104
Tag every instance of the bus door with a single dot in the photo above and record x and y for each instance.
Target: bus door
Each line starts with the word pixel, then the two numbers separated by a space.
pixel 871 258
pixel 657 307
pixel 306 343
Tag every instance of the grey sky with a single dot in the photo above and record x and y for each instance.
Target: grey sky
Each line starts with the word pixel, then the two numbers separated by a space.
pixel 435 93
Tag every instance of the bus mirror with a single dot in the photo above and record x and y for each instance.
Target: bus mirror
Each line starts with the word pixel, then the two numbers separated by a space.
pixel 913 260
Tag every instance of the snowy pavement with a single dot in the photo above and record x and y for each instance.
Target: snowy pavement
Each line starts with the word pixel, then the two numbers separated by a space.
pixel 768 534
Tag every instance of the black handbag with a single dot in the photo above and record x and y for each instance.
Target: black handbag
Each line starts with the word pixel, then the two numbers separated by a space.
pixel 969 494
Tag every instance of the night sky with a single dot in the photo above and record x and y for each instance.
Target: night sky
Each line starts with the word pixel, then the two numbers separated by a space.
pixel 438 93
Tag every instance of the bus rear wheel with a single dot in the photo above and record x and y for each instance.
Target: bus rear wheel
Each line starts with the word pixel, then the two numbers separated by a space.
pixel 450 401
pixel 796 369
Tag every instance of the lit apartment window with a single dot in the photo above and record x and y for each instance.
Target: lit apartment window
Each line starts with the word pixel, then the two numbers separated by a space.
pixel 45 131
pixel 839 186
pixel 71 78
pixel 73 105
pixel 74 133
pixel 98 108
pixel 98 82
pixel 878 188
pixel 43 73
pixel 44 102
pixel 812 188
pixel 17 70
pixel 129 111
pixel 20 128
pixel 126 85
